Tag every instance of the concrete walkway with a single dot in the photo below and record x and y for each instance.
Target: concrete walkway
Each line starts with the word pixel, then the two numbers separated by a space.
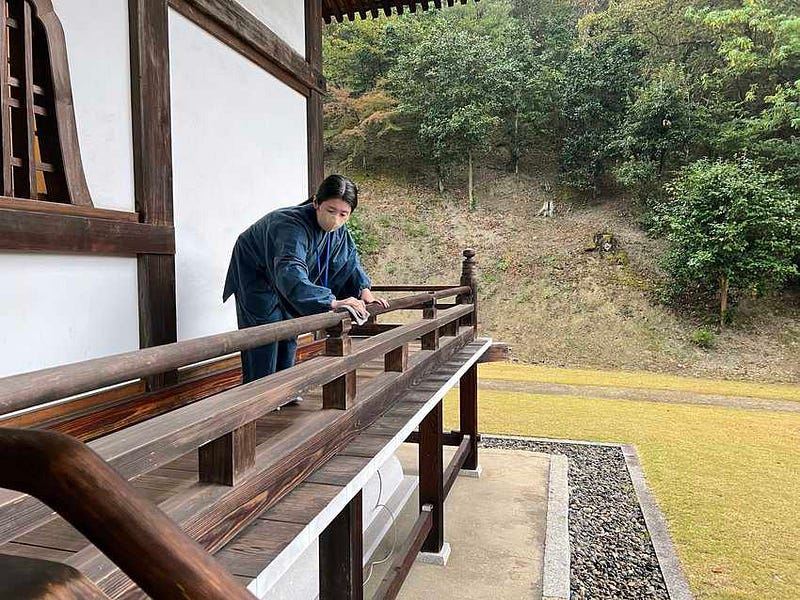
pixel 646 395
pixel 495 526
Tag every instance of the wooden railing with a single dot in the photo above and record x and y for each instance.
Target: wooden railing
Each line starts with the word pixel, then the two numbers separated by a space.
pixel 86 483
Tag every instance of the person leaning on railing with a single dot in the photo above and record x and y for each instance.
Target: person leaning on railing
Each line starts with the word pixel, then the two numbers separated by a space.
pixel 297 261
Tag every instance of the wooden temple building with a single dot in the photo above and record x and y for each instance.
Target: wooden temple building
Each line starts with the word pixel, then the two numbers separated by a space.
pixel 139 138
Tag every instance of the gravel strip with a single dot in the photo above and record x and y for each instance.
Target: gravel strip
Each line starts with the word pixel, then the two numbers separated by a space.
pixel 611 554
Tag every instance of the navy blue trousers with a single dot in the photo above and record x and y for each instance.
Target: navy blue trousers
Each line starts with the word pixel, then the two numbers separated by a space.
pixel 270 358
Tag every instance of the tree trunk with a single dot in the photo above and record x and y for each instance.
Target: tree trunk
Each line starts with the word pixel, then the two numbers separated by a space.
pixel 515 145
pixel 440 179
pixel 469 182
pixel 723 299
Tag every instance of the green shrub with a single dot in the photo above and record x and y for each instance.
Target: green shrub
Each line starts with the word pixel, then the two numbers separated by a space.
pixel 704 337
pixel 365 239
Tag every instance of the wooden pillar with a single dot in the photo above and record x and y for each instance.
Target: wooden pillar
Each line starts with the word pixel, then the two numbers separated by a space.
pixel 469 278
pixel 316 148
pixel 227 458
pixel 341 554
pixel 431 475
pixel 468 418
pixel 152 169
pixel 341 392
pixel 430 341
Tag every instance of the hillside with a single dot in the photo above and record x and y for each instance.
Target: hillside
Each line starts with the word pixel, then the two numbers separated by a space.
pixel 556 303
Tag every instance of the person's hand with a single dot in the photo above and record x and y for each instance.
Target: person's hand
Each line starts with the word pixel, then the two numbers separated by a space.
pixel 369 298
pixel 355 303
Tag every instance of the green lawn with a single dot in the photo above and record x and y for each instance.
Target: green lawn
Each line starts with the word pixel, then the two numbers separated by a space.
pixel 728 480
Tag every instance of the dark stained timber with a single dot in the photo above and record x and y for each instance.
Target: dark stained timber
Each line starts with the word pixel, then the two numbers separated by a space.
pixel 34 231
pixel 340 553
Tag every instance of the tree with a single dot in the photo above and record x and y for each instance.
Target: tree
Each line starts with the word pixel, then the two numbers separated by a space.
pixel 445 83
pixel 732 228
pixel 598 84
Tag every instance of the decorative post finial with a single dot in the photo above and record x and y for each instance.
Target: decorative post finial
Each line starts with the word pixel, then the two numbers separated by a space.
pixel 469 278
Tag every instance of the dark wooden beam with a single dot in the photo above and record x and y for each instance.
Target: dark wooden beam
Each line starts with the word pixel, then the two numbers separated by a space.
pixel 468 414
pixel 497 352
pixel 404 557
pixel 152 168
pixel 431 485
pixel 455 464
pixel 341 550
pixel 39 231
pixel 316 147
pixel 73 210
pixel 238 28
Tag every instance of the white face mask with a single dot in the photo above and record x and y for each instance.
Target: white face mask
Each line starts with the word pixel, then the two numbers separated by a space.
pixel 329 222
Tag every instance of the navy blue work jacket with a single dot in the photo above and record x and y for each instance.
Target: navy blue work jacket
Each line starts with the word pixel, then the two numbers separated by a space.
pixel 280 261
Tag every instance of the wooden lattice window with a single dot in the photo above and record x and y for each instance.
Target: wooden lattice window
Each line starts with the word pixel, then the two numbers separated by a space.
pixel 40 154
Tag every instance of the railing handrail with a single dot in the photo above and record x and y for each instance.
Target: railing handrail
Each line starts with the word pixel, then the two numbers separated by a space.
pixel 26 390
pixel 75 482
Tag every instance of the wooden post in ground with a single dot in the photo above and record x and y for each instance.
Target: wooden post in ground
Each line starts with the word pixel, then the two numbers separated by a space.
pixel 340 392
pixel 468 414
pixel 468 387
pixel 431 474
pixel 340 555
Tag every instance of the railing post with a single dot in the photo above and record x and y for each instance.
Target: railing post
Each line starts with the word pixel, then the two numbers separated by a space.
pixel 340 392
pixel 431 483
pixel 396 360
pixel 469 278
pixel 341 552
pixel 430 341
pixel 225 459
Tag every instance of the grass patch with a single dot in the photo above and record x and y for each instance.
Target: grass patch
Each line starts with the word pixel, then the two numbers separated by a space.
pixel 726 479
pixel 640 380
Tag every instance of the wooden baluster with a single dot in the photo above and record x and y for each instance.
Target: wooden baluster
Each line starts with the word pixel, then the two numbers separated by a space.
pixel 29 160
pixel 5 106
pixel 225 459
pixel 431 474
pixel 430 341
pixel 469 278
pixel 341 552
pixel 396 360
pixel 341 392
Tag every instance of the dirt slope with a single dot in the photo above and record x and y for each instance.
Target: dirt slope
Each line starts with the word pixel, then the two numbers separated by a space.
pixel 554 302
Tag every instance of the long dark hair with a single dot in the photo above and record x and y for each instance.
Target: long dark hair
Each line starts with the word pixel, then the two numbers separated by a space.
pixel 336 186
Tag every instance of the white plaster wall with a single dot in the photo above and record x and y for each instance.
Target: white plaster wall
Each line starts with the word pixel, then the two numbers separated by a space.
pixel 96 33
pixel 61 309
pixel 285 17
pixel 239 151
